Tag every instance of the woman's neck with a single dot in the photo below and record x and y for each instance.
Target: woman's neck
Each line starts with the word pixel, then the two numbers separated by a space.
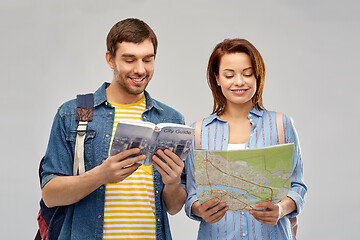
pixel 235 111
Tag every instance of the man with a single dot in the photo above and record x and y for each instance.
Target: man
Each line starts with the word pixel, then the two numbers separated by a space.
pixel 115 197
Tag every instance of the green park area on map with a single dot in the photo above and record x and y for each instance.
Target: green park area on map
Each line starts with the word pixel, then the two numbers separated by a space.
pixel 242 178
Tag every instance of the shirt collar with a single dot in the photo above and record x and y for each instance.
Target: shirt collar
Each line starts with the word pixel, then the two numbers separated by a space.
pixel 214 116
pixel 257 112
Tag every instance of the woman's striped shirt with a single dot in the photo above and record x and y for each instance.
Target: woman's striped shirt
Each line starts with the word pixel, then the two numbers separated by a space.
pixel 239 225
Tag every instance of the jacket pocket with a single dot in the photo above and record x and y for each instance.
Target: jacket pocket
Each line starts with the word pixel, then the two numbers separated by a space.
pixel 88 145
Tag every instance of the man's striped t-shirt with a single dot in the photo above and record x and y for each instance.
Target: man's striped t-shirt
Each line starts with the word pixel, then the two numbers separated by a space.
pixel 130 205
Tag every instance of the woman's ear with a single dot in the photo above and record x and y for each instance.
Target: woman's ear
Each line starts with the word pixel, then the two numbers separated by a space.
pixel 217 80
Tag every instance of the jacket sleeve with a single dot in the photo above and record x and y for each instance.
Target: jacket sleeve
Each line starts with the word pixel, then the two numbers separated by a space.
pixel 58 159
pixel 298 189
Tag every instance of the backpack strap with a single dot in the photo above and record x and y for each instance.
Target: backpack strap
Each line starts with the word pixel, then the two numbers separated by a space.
pixel 198 132
pixel 280 127
pixel 281 137
pixel 85 105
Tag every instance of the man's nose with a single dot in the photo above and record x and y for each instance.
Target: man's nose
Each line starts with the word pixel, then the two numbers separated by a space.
pixel 139 68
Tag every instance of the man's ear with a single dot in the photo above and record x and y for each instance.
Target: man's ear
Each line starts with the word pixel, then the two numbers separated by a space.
pixel 109 59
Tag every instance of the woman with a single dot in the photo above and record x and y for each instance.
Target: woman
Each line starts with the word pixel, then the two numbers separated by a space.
pixel 236 75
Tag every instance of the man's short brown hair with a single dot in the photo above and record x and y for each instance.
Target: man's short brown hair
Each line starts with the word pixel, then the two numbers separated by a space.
pixel 129 30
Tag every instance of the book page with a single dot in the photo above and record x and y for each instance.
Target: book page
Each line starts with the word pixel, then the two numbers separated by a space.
pixel 178 139
pixel 162 125
pixel 129 136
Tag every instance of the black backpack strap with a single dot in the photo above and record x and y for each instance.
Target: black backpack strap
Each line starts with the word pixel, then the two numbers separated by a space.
pixel 85 105
pixel 38 237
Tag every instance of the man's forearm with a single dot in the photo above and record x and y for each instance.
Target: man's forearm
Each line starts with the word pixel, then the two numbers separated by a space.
pixel 66 190
pixel 174 197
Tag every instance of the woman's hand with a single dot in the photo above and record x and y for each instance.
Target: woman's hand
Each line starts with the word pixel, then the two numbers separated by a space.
pixel 273 212
pixel 211 211
pixel 271 215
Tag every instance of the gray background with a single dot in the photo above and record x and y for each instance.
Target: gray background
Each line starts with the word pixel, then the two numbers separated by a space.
pixel 52 50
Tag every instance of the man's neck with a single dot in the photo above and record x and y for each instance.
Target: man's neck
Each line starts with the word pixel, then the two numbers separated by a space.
pixel 117 95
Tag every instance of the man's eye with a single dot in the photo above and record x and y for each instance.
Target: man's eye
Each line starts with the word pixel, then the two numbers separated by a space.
pixel 129 60
pixel 147 60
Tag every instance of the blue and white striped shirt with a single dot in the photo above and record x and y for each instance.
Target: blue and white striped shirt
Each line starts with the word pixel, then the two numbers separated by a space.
pixel 242 225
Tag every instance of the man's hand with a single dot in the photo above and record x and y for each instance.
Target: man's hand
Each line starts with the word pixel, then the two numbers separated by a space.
pixel 115 168
pixel 271 215
pixel 170 166
pixel 66 190
pixel 170 169
pixel 211 211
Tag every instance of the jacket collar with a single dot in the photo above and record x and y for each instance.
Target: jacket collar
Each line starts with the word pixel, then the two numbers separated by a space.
pixel 150 103
pixel 100 97
pixel 100 94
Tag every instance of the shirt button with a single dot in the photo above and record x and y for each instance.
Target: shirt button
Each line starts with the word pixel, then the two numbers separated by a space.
pixel 99 216
pixel 110 113
pixel 157 191
pixel 107 135
pixel 158 219
pixel 101 187
pixel 244 234
pixel 242 213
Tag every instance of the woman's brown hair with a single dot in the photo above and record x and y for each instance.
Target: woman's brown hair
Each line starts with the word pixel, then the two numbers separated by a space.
pixel 229 46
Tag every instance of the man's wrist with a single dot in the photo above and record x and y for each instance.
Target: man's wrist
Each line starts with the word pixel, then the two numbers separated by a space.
pixel 173 187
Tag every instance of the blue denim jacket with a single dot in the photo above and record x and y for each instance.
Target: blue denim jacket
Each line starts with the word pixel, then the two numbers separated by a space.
pixel 84 219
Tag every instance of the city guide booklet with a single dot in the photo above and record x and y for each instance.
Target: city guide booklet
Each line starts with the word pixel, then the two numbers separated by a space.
pixel 242 178
pixel 150 137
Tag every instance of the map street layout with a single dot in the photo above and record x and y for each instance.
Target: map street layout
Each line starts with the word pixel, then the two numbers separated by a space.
pixel 244 177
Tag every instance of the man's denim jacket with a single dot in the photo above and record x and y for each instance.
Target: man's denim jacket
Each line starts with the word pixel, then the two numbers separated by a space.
pixel 84 219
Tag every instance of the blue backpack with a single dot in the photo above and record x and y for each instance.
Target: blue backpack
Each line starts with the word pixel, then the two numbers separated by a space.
pixel 51 220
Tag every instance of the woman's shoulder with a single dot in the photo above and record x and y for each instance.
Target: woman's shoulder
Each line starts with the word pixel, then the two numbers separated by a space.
pixel 206 120
pixel 266 113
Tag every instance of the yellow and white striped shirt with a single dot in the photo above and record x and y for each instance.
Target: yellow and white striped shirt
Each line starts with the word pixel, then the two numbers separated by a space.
pixel 130 204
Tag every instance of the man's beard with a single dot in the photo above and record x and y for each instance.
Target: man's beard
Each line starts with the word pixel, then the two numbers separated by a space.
pixel 126 86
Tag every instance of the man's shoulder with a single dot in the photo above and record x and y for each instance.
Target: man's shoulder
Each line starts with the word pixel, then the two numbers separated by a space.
pixel 167 113
pixel 165 107
pixel 68 108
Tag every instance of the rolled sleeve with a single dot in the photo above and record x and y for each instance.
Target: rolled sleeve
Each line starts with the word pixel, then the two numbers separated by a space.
pixel 299 201
pixel 190 185
pixel 58 160
pixel 47 179
pixel 298 189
